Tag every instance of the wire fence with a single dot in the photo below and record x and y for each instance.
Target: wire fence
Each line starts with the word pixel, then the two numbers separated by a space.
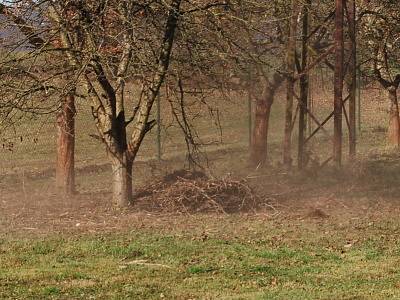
pixel 30 144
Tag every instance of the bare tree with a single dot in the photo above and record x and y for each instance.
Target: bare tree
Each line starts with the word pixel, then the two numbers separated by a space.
pixel 104 76
pixel 19 20
pixel 380 32
pixel 256 36
pixel 291 67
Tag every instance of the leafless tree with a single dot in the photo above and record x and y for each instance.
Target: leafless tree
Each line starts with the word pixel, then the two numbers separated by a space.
pixel 108 50
pixel 27 50
pixel 380 32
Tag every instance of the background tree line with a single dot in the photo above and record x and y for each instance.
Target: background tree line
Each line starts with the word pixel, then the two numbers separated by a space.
pixel 116 55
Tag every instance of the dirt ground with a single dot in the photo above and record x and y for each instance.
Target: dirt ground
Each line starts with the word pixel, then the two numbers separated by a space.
pixel 367 190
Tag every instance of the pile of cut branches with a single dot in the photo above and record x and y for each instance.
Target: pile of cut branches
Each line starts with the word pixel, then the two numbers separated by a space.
pixel 193 192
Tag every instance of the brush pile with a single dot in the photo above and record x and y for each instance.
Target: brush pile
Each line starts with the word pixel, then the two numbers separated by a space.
pixel 193 192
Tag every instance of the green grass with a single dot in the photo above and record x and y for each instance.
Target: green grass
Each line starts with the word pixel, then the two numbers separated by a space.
pixel 266 262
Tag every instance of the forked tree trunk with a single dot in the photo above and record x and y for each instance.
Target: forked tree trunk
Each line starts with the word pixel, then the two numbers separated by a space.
pixel 122 179
pixel 65 172
pixel 259 141
pixel 394 118
pixel 111 120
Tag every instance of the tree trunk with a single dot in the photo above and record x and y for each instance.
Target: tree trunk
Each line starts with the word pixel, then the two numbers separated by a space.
pixel 394 118
pixel 122 179
pixel 290 65
pixel 259 141
pixel 304 86
pixel 65 173
pixel 258 152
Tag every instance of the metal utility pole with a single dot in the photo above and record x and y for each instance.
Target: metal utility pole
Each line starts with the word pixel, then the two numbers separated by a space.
pixel 342 72
pixel 352 78
pixel 304 86
pixel 338 82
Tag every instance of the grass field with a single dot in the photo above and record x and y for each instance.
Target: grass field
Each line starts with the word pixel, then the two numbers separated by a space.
pixel 260 259
pixel 327 234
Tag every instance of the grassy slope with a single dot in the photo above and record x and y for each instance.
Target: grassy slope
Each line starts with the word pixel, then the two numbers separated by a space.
pixel 265 260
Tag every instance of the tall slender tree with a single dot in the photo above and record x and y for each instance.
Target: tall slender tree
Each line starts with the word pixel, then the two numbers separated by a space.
pixel 34 38
pixel 290 69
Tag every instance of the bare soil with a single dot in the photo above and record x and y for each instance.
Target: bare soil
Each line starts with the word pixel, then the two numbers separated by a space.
pixel 367 190
pixel 184 200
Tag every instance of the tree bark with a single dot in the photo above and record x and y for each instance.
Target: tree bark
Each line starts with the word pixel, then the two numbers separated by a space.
pixel 127 150
pixel 304 86
pixel 65 173
pixel 394 118
pixel 122 179
pixel 258 154
pixel 259 141
pixel 291 64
